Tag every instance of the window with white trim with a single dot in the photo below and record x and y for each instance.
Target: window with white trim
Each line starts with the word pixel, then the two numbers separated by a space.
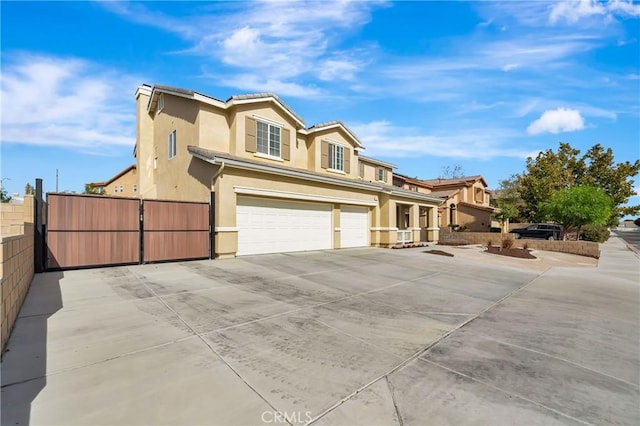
pixel 381 174
pixel 172 144
pixel 160 102
pixel 336 157
pixel 268 139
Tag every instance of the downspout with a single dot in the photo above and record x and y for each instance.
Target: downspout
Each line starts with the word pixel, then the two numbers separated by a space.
pixel 217 173
pixel 212 213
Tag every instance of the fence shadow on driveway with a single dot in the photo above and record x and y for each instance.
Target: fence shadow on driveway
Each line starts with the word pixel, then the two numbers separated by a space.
pixel 24 363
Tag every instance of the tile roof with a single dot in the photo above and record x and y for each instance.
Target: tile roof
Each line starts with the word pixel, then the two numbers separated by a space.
pixel 453 181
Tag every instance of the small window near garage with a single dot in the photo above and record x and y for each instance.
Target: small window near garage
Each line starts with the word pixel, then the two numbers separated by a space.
pixel 172 144
pixel 381 174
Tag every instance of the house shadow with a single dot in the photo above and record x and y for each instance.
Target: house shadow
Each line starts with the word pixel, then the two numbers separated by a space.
pixel 24 361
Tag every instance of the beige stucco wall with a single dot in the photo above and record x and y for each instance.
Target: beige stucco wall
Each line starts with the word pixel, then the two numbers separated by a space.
pixel 370 172
pixel 127 182
pixel 266 110
pixel 314 143
pixel 144 148
pixel 181 177
pixel 213 127
pixel 474 220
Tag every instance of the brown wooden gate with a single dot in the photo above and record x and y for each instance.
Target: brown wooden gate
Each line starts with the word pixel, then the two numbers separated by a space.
pixel 175 230
pixel 85 230
pixel 91 231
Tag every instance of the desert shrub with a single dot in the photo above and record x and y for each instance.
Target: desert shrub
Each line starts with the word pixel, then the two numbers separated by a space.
pixel 525 246
pixel 508 243
pixel 489 243
pixel 597 233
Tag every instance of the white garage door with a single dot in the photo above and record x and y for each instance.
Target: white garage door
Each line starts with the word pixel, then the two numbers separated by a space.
pixel 354 226
pixel 276 226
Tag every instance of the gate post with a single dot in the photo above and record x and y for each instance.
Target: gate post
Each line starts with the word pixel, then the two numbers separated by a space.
pixel 141 232
pixel 212 226
pixel 40 251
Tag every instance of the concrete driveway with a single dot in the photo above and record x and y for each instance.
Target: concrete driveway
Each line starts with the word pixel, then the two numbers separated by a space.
pixel 358 336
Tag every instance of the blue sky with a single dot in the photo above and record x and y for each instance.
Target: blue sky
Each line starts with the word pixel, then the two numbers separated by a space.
pixel 425 85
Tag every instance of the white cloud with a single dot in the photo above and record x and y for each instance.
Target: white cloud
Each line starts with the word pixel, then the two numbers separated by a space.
pixel 510 67
pixel 624 7
pixel 383 138
pixel 253 83
pixel 338 69
pixel 572 11
pixel 269 41
pixel 557 121
pixel 67 102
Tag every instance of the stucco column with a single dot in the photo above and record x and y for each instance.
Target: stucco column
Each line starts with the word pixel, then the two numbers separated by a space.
pixel 337 233
pixel 388 223
pixel 433 232
pixel 414 222
pixel 226 239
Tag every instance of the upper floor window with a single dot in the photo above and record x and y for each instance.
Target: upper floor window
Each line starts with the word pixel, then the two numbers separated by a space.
pixel 172 144
pixel 336 157
pixel 160 102
pixel 381 174
pixel 268 139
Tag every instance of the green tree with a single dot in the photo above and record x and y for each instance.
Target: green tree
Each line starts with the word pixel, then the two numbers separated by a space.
pixel 546 174
pixel 4 196
pixel 551 172
pixel 577 206
pixel 506 214
pixel 91 189
pixel 29 190
pixel 601 171
pixel 507 198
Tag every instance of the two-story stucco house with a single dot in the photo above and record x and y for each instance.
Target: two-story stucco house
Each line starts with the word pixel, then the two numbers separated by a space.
pixel 275 184
pixel 124 184
pixel 466 202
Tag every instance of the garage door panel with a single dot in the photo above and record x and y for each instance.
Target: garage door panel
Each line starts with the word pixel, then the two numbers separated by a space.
pixel 354 226
pixel 274 226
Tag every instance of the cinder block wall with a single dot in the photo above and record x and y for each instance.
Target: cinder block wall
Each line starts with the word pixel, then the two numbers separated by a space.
pixel 583 248
pixel 16 261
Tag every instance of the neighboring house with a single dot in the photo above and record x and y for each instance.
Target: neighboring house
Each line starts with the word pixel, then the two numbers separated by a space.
pixel 275 184
pixel 467 202
pixel 124 184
